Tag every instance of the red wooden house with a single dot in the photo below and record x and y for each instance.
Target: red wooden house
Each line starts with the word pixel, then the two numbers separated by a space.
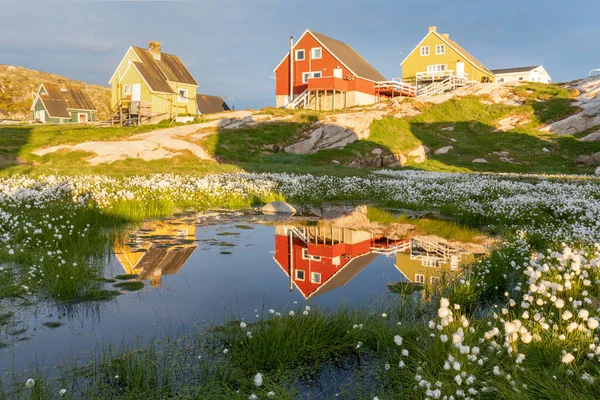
pixel 327 74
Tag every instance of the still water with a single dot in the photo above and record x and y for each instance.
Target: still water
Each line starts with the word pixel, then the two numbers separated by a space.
pixel 197 270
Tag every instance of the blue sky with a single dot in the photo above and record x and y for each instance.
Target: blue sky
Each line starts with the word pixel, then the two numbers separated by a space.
pixel 232 46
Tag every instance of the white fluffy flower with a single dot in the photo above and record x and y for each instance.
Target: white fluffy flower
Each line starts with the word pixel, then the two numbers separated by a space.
pixel 258 379
pixel 29 384
pixel 398 340
pixel 568 358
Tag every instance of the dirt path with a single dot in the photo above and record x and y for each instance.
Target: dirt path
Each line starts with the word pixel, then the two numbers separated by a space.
pixel 155 145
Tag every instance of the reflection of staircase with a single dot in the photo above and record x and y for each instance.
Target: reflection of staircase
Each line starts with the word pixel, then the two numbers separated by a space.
pixel 435 254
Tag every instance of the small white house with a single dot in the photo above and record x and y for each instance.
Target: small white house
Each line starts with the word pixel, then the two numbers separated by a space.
pixel 527 74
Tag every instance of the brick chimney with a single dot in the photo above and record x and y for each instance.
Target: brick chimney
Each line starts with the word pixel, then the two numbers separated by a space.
pixel 433 28
pixel 154 48
pixel 446 35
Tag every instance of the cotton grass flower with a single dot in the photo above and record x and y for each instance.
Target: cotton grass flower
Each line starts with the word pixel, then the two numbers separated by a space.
pixel 258 379
pixel 398 340
pixel 30 383
pixel 62 392
pixel 567 358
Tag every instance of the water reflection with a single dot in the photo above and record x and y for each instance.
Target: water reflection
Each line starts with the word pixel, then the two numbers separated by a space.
pixel 318 259
pixel 157 248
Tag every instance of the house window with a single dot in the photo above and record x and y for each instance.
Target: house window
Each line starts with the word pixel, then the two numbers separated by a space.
pixel 315 277
pixel 299 55
pixel 127 90
pixel 299 275
pixel 419 278
pixel 183 96
pixel 440 49
pixel 500 80
pixel 305 76
pixel 436 68
pixel 424 50
pixel 316 74
pixel 306 256
pixel 316 53
pixel 520 78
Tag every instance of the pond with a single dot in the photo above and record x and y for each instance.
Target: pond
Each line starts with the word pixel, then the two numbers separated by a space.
pixel 192 271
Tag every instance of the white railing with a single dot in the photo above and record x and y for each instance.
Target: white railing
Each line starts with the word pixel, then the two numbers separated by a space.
pixel 299 99
pixel 393 249
pixel 431 75
pixel 399 86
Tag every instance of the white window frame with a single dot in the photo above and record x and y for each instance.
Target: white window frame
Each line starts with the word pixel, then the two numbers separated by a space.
pixel 126 90
pixel 296 277
pixel 306 256
pixel 314 275
pixel 182 99
pixel 438 47
pixel 303 55
pixel 317 72
pixel 306 76
pixel 436 68
pixel 425 51
pixel 79 117
pixel 419 278
pixel 312 53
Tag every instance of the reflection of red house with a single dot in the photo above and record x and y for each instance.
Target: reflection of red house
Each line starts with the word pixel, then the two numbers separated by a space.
pixel 322 258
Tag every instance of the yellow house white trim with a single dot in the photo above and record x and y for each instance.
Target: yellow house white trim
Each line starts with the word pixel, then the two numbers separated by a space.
pixel 123 59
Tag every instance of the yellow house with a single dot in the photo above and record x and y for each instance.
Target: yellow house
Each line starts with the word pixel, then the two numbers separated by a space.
pixel 437 57
pixel 149 86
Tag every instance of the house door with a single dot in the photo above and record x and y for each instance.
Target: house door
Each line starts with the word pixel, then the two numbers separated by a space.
pixel 460 69
pixel 41 116
pixel 337 73
pixel 83 118
pixel 136 92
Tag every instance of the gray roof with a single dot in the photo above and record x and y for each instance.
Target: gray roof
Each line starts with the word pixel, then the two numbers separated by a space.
pixel 514 70
pixel 208 104
pixel 58 102
pixel 350 58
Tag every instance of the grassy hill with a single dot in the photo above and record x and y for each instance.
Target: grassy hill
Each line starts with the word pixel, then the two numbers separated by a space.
pixel 18 86
pixel 474 134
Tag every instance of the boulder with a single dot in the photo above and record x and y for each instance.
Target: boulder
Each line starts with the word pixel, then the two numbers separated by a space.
pixel 305 146
pixel 480 161
pixel 278 207
pixel 443 150
pixel 545 150
pixel 335 162
pixel 377 151
pixel 448 128
pixel 592 137
pixel 419 153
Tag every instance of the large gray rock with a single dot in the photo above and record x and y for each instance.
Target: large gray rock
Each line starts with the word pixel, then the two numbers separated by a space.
pixel 589 101
pixel 592 137
pixel 419 153
pixel 443 150
pixel 480 161
pixel 278 207
pixel 305 146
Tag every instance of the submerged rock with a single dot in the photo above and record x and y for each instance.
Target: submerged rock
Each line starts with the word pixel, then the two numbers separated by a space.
pixel 278 207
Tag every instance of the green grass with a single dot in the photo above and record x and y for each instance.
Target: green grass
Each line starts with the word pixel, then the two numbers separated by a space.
pixel 130 286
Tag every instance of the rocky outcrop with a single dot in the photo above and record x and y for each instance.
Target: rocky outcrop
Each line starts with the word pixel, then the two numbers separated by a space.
pixel 382 158
pixel 589 101
pixel 511 122
pixel 592 137
pixel 419 154
pixel 335 132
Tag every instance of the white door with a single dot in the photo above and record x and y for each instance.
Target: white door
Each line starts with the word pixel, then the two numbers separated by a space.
pixel 460 69
pixel 337 72
pixel 136 92
pixel 41 116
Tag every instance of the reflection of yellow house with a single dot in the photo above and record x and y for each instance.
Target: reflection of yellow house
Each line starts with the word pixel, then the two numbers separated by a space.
pixel 157 248
pixel 430 264
pixel 149 83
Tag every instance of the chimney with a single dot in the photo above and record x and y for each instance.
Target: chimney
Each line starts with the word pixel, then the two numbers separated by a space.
pixel 154 48
pixel 62 85
pixel 433 28
pixel 446 35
